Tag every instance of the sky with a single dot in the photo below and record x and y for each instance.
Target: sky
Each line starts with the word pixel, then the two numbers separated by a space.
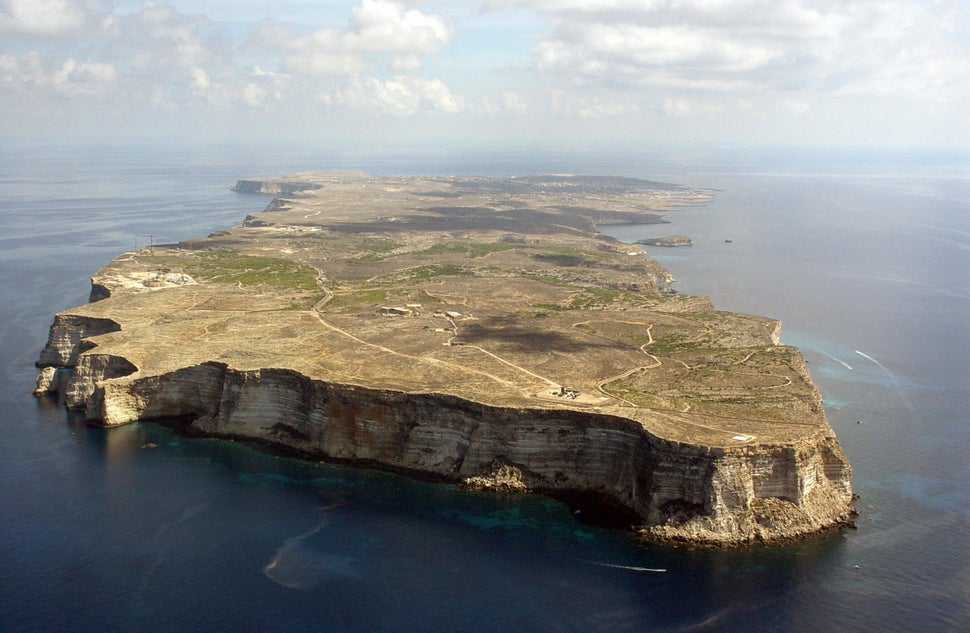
pixel 489 72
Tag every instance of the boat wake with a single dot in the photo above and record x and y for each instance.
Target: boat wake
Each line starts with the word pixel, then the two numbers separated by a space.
pixel 907 402
pixel 838 360
pixel 626 567
pixel 873 360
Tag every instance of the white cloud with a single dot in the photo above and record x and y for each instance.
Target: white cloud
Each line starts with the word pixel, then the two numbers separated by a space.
pixel 685 107
pixel 589 106
pixel 401 96
pixel 43 17
pixel 887 46
pixel 514 102
pixel 382 25
pixel 83 77
pixel 405 63
pixel 377 28
pixel 70 77
pixel 313 56
pixel 200 78
pixel 255 95
pixel 165 39
pixel 643 67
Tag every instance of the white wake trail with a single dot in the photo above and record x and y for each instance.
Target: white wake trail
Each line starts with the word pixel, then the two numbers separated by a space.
pixel 627 567
pixel 907 402
pixel 870 358
pixel 838 360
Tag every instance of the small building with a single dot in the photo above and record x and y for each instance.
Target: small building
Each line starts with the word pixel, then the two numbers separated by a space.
pixel 565 392
pixel 395 311
pixel 452 315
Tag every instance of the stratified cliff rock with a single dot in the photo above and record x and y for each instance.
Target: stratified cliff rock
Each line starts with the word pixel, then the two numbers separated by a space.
pixel 67 339
pixel 680 492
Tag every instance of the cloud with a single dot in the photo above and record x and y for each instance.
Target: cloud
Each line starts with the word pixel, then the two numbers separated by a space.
pixel 160 39
pixel 400 96
pixel 43 17
pixel 887 46
pixel 200 78
pixel 648 67
pixel 69 78
pixel 381 25
pixel 83 78
pixel 684 107
pixel 589 106
pixel 514 102
pixel 380 32
pixel 158 59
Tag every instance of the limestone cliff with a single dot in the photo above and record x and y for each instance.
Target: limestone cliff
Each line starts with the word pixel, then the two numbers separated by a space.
pixel 678 491
pixel 277 187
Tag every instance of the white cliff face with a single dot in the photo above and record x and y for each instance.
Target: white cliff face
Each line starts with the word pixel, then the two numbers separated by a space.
pixel 678 491
pixel 66 339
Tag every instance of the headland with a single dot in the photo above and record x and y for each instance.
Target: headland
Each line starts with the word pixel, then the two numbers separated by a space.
pixel 477 330
pixel 669 241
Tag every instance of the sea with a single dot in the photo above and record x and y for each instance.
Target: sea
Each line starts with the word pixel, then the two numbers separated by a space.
pixel 864 255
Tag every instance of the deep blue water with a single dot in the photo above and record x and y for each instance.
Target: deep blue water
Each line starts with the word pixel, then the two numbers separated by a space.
pixel 866 260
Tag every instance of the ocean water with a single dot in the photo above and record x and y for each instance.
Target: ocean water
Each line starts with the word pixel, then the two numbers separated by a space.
pixel 866 260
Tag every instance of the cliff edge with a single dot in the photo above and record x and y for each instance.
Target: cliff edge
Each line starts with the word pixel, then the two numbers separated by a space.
pixel 477 330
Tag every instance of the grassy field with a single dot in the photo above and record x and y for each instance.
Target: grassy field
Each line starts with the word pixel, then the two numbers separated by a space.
pixel 247 270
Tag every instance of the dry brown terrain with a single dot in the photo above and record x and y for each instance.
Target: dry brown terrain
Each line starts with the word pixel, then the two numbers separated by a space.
pixel 497 291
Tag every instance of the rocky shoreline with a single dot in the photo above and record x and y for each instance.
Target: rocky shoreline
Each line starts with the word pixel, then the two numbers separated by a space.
pixel 670 241
pixel 721 486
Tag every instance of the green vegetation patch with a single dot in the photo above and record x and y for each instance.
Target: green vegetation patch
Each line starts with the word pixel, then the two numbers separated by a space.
pixel 468 249
pixel 424 273
pixel 593 297
pixel 375 249
pixel 563 260
pixel 669 339
pixel 378 244
pixel 370 298
pixel 248 270
pixel 567 256
pixel 356 298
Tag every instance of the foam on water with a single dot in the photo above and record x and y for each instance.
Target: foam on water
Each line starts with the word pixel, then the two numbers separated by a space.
pixel 299 565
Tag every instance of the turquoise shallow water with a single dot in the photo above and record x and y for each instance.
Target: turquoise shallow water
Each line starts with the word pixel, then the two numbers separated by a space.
pixel 865 264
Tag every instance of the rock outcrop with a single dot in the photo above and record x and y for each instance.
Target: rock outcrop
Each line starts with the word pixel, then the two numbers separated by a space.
pixel 668 241
pixel 275 187
pixel 68 338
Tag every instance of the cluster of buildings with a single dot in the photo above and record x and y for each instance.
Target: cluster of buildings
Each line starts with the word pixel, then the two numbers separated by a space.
pixel 413 310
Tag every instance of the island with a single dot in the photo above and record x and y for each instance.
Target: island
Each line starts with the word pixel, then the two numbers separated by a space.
pixel 475 330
